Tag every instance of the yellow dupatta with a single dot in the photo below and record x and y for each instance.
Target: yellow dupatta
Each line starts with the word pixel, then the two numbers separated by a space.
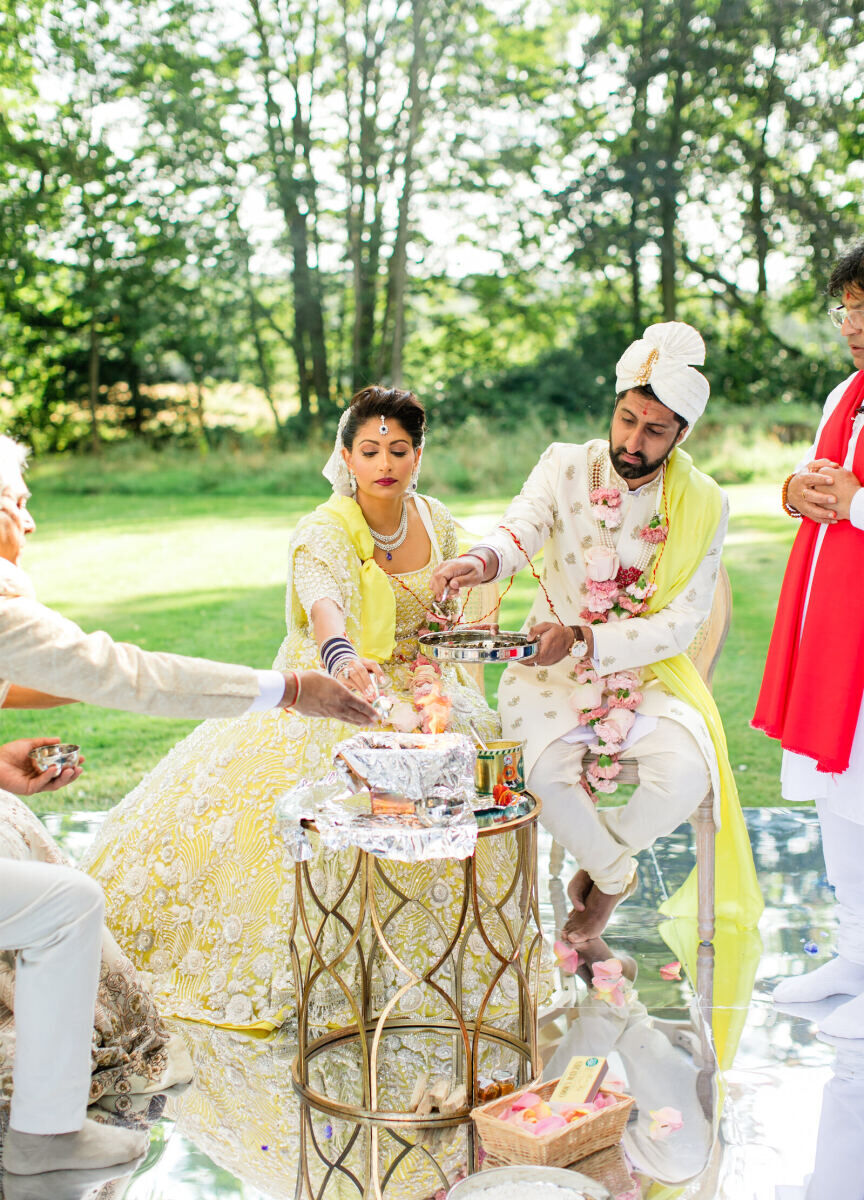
pixel 694 504
pixel 377 602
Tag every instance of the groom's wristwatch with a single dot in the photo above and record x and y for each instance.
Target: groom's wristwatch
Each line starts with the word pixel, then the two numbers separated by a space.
pixel 580 647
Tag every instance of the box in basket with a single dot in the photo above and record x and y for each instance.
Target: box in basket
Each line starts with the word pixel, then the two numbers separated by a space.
pixel 509 1143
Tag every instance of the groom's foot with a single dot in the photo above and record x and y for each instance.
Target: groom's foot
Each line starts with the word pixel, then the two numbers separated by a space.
pixel 596 950
pixel 581 927
pixel 93 1145
pixel 578 888
pixel 839 977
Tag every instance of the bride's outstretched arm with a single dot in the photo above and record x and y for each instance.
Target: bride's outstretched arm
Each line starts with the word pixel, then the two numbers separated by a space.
pixel 338 656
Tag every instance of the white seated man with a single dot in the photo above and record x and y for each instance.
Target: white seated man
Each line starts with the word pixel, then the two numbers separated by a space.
pixel 632 535
pixel 52 915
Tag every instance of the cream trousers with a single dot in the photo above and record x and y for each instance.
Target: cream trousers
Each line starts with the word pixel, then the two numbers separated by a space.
pixel 673 781
pixel 52 916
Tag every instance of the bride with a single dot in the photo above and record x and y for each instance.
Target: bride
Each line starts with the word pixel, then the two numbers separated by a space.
pixel 198 884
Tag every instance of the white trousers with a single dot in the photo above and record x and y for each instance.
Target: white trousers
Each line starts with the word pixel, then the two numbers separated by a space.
pixel 52 916
pixel 673 781
pixel 843 847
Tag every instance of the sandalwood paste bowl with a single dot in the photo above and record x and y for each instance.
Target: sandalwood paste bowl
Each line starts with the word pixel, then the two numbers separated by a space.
pixel 65 755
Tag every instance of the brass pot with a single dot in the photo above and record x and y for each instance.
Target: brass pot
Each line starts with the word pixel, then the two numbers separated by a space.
pixel 500 762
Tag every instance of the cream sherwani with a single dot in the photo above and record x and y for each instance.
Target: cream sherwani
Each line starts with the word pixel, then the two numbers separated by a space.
pixel 670 739
pixel 52 915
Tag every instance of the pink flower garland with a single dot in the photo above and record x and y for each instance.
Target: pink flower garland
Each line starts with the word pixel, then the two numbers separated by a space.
pixel 613 592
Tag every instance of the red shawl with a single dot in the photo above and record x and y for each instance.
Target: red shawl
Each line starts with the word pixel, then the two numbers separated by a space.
pixel 814 676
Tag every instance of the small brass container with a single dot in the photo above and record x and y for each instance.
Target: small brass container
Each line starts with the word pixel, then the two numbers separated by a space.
pixel 500 762
pixel 65 755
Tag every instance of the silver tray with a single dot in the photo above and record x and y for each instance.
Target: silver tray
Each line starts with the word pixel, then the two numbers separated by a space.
pixel 478 646
pixel 474 1186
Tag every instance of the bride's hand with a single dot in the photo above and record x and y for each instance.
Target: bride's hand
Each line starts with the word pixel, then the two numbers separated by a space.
pixel 358 675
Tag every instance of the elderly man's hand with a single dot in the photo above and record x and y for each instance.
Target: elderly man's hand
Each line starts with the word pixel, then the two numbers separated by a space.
pixel 19 773
pixel 321 696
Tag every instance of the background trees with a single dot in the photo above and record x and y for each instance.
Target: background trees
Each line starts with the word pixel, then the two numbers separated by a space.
pixel 480 199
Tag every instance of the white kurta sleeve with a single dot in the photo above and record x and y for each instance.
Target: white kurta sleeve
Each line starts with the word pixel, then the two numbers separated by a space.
pixel 856 510
pixel 639 641
pixel 531 516
pixel 39 649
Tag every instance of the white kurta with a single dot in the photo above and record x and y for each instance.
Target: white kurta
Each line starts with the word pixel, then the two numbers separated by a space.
pixel 553 511
pixel 800 781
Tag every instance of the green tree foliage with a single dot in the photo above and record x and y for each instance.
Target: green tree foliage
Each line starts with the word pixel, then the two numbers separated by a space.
pixel 483 200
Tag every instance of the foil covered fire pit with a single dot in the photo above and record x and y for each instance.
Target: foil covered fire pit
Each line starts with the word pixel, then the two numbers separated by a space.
pixel 399 796
pixel 429 769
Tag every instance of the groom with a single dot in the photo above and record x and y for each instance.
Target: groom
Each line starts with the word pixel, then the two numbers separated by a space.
pixel 632 535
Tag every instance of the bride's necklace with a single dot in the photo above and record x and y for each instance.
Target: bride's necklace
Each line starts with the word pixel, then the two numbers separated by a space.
pixel 388 542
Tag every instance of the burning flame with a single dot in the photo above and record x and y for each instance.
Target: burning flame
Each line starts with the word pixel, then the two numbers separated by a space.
pixel 429 698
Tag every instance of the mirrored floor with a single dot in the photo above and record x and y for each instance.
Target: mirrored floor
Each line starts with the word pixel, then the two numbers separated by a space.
pixel 785 1105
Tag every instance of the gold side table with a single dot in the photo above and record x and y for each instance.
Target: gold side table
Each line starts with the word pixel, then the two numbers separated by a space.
pixel 348 943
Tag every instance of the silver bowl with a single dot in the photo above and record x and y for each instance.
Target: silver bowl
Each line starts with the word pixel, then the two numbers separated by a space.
pixel 65 755
pixel 478 646
pixel 474 1186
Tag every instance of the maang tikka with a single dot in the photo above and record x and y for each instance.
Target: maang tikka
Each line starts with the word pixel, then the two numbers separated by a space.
pixel 383 428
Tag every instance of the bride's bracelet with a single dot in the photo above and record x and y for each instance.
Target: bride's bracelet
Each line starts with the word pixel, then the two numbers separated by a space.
pixel 337 654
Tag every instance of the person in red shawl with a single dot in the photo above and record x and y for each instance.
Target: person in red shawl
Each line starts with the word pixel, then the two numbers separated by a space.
pixel 811 696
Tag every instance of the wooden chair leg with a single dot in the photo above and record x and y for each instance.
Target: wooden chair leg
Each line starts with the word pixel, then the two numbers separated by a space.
pixel 703 823
pixel 556 860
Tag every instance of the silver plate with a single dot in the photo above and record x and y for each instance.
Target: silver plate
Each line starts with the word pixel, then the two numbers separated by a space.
pixel 478 646
pixel 474 1186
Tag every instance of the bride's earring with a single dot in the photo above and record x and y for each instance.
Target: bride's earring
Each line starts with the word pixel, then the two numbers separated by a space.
pixel 414 476
pixel 352 482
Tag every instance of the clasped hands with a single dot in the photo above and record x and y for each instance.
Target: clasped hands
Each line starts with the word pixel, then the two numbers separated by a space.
pixel 823 492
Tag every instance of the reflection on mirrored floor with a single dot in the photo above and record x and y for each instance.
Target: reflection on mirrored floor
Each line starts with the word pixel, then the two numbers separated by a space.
pixel 784 1106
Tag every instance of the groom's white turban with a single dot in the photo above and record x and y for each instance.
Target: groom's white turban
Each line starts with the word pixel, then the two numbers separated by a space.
pixel 662 357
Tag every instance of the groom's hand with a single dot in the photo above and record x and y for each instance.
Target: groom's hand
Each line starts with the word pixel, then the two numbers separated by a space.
pixel 555 641
pixel 466 571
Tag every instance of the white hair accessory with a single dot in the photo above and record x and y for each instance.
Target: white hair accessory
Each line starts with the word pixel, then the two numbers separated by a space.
pixel 662 357
pixel 335 469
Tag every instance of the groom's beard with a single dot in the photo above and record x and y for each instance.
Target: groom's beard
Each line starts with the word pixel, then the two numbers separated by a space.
pixel 628 470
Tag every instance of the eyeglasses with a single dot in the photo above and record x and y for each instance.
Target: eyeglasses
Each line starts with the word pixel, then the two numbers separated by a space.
pixel 840 314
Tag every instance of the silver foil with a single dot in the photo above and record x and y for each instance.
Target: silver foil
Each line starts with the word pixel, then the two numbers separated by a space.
pixel 431 769
pixel 435 771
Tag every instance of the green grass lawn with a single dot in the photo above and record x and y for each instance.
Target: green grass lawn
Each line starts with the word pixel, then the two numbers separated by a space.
pixel 204 575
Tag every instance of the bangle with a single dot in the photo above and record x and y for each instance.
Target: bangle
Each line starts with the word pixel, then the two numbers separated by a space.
pixel 336 654
pixel 784 498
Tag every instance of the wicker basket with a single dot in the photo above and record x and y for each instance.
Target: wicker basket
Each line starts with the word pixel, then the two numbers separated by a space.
pixel 508 1143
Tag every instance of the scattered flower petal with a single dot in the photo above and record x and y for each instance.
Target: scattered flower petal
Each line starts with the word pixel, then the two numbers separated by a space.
pixel 568 957
pixel 664 1121
pixel 672 970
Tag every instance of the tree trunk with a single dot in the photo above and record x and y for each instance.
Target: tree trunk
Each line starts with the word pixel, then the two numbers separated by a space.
pixel 393 325
pixel 93 387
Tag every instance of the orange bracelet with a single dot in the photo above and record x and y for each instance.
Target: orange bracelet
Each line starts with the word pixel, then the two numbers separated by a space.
pixel 784 499
pixel 296 696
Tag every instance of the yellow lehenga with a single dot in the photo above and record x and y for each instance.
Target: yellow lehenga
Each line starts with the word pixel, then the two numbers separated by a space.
pixel 198 882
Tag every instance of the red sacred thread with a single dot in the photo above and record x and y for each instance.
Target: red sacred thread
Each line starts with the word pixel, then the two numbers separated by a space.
pixel 534 573
pixel 459 618
pixel 666 539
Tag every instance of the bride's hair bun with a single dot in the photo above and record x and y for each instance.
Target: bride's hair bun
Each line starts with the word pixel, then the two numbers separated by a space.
pixel 371 403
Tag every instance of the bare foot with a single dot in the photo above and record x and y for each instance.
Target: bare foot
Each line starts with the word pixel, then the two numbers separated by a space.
pixel 578 888
pixel 584 926
pixel 597 950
